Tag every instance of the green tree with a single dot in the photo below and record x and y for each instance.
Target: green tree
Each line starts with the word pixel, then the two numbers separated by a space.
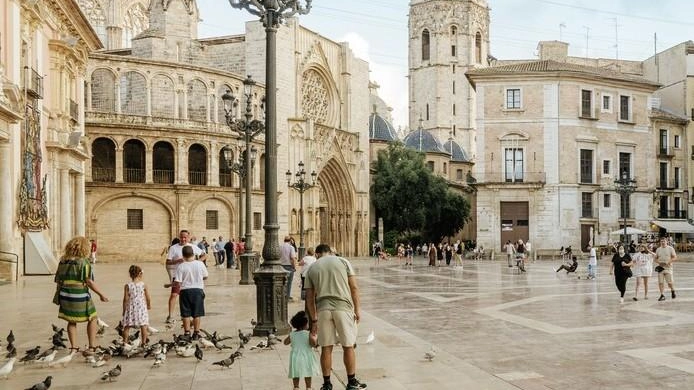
pixel 411 199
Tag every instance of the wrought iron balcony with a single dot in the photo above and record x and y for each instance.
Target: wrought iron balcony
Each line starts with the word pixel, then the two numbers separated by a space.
pixel 104 175
pixel 34 84
pixel 197 178
pixel 163 176
pixel 225 179
pixel 134 175
pixel 672 214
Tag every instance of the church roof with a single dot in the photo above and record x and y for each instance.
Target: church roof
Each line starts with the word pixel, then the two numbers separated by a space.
pixel 380 129
pixel 659 113
pixel 423 141
pixel 456 151
pixel 551 66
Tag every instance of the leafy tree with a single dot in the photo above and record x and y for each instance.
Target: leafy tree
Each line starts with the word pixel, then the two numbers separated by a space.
pixel 411 199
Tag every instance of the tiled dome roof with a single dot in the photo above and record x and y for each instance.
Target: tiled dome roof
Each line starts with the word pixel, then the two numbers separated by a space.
pixel 423 141
pixel 456 151
pixel 380 129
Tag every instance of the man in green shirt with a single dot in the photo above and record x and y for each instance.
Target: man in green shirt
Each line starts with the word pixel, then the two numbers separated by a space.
pixel 332 301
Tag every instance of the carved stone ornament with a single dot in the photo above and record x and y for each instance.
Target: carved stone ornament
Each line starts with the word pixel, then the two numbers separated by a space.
pixel 33 201
pixel 314 97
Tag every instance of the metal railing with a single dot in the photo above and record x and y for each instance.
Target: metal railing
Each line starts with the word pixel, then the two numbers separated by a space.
pixel 163 176
pixel 74 110
pixel 513 178
pixel 107 175
pixel 225 180
pixel 34 84
pixel 132 175
pixel 197 178
pixel 668 184
pixel 672 214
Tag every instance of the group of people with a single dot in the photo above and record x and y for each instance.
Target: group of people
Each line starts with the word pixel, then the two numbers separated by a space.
pixel 520 251
pixel 640 265
pixel 222 251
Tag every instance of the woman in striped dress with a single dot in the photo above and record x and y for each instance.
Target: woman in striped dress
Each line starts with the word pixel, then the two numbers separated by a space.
pixel 74 280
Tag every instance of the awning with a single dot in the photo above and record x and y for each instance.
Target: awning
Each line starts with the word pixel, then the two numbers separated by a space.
pixel 630 231
pixel 675 226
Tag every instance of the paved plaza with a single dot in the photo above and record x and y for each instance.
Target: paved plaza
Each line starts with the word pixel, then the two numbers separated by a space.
pixel 491 327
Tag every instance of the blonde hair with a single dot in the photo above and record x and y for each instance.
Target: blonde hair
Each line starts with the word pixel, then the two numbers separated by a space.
pixel 77 248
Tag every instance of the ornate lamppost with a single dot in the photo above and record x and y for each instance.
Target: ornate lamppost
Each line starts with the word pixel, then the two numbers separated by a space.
pixel 240 169
pixel 270 278
pixel 249 128
pixel 625 186
pixel 302 186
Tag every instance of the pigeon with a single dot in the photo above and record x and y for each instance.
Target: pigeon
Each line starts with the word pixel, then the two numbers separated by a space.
pixel 159 359
pixel 10 338
pixel 254 322
pixel 6 368
pixel 11 351
pixel 260 345
pixel 152 330
pixel 237 354
pixel 63 361
pixel 101 323
pixel 198 352
pixel 119 329
pixel 48 358
pixel 186 351
pixel 370 338
pixel 205 343
pixel 112 374
pixel 30 354
pixel 226 363
pixel 58 341
pixel 244 339
pixel 429 356
pixel 57 330
pixel 45 385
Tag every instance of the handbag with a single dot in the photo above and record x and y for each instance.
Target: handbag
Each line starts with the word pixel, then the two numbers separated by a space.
pixel 627 272
pixel 659 269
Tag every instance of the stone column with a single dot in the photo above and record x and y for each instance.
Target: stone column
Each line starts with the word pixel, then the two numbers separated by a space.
pixel 148 99
pixel 6 198
pixel 177 97
pixel 80 206
pixel 213 164
pixel 65 212
pixel 181 163
pixel 119 165
pixel 149 168
pixel 88 93
pixel 184 114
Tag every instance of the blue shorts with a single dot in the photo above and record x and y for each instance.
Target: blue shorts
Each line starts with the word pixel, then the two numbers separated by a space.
pixel 192 302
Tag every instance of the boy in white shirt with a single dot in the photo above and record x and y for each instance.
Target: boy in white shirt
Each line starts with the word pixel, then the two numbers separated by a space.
pixel 190 276
pixel 592 261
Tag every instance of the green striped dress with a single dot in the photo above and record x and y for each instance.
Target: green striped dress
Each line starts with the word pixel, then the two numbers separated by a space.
pixel 76 303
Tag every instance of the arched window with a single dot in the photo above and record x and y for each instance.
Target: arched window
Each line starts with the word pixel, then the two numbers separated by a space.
pixel 103 160
pixel 454 31
pixel 225 174
pixel 133 93
pixel 103 86
pixel 163 163
pixel 197 165
pixel 445 169
pixel 478 48
pixel 197 101
pixel 163 97
pixel 134 161
pixel 425 45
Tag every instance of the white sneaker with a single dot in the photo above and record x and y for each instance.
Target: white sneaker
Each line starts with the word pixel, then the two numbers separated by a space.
pixel 621 300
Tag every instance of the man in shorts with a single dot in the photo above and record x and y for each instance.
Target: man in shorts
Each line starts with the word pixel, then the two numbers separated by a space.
pixel 173 259
pixel 332 301
pixel 189 279
pixel 664 256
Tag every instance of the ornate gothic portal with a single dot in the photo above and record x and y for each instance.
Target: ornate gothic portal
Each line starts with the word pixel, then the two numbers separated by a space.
pixel 337 215
pixel 33 209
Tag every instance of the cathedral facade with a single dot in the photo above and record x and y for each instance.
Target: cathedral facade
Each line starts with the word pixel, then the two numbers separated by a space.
pixel 156 127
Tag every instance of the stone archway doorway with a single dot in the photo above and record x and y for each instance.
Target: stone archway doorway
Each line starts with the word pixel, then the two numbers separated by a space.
pixel 336 208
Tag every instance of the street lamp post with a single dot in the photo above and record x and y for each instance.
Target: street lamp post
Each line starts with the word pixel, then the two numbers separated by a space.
pixel 270 279
pixel 625 186
pixel 249 128
pixel 240 169
pixel 302 186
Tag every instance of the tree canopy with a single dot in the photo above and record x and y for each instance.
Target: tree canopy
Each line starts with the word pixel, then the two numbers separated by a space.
pixel 411 199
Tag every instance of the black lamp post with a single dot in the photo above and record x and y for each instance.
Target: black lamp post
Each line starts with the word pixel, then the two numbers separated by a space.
pixel 302 186
pixel 249 128
pixel 625 186
pixel 270 279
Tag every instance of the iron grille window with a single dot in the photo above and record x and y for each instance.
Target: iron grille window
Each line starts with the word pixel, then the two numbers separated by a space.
pixel 586 205
pixel 211 220
pixel 624 164
pixel 605 167
pixel 257 221
pixel 606 201
pixel 586 103
pixel 624 108
pixel 135 219
pixel 586 166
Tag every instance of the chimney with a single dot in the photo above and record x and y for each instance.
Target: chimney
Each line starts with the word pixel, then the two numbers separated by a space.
pixel 553 50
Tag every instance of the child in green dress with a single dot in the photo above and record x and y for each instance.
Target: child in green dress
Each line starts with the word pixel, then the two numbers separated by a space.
pixel 303 362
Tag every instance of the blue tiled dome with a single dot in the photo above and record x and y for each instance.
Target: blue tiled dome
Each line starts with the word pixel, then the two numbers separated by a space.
pixel 380 129
pixel 423 141
pixel 457 153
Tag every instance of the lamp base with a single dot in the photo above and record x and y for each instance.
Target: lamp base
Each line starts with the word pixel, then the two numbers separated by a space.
pixel 248 264
pixel 271 300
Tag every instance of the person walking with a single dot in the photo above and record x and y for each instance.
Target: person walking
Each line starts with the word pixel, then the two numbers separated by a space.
pixel 621 267
pixel 305 264
pixel 643 269
pixel 229 249
pixel 219 248
pixel 92 253
pixel 190 281
pixel 288 261
pixel 592 262
pixel 136 303
pixel 664 256
pixel 510 251
pixel 432 255
pixel 73 280
pixel 302 360
pixel 459 255
pixel 332 302
pixel 449 254
pixel 439 254
pixel 173 259
pixel 520 255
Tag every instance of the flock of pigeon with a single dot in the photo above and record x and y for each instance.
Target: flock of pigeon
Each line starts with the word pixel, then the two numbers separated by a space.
pixel 184 346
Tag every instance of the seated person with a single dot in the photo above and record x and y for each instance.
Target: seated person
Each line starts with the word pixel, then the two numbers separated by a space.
pixel 569 268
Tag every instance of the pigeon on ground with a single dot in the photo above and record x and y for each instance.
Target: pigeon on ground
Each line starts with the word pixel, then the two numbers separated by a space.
pixel 11 351
pixel 429 356
pixel 63 361
pixel 254 322
pixel 152 330
pixel 159 359
pixel 226 363
pixel 119 329
pixel 236 354
pixel 186 351
pixel 101 323
pixel 10 337
pixel 48 358
pixel 57 330
pixel 58 341
pixel 205 343
pixel 45 385
pixel 370 338
pixel 244 339
pixel 30 354
pixel 112 374
pixel 6 368
pixel 198 352
pixel 261 345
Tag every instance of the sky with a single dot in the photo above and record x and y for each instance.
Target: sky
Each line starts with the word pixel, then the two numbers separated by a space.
pixel 377 31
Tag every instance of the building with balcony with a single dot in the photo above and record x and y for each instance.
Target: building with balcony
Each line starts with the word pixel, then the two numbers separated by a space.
pixel 43 60
pixel 552 138
pixel 156 128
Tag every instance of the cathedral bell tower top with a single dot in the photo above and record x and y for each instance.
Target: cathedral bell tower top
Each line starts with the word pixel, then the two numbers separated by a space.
pixel 174 17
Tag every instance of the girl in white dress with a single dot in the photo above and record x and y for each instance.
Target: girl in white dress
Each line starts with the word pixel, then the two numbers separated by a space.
pixel 136 303
pixel 643 269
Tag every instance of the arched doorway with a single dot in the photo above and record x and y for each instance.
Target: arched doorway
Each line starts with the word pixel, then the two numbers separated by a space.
pixel 336 212
pixel 103 160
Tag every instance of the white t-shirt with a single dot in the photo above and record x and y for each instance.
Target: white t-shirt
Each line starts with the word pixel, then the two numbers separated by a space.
pixel 593 257
pixel 176 253
pixel 191 274
pixel 287 253
pixel 308 260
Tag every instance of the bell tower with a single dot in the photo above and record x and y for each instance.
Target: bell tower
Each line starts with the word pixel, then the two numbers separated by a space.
pixel 446 39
